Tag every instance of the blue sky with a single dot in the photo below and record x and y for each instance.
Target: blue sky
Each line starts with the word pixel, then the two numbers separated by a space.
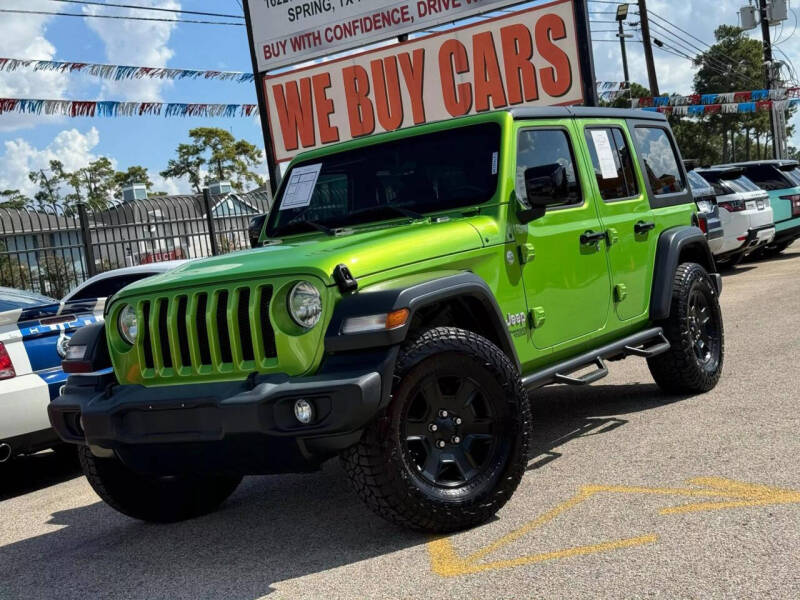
pixel 28 142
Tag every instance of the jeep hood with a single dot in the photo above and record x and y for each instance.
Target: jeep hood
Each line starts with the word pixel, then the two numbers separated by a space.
pixel 364 251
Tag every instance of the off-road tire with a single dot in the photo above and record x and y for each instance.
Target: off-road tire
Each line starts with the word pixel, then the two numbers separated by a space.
pixel 151 498
pixel 680 370
pixel 379 467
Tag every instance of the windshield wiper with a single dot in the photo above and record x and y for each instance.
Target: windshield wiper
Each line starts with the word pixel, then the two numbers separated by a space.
pixel 405 212
pixel 301 219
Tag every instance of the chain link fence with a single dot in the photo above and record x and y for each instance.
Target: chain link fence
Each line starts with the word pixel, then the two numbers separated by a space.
pixel 51 250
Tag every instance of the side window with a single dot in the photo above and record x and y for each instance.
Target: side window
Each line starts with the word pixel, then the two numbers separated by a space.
pixel 660 161
pixel 613 163
pixel 539 152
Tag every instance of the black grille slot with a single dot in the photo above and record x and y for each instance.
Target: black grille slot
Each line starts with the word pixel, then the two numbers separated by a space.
pixel 222 327
pixel 243 318
pixel 163 332
pixel 267 332
pixel 147 343
pixel 183 336
pixel 202 330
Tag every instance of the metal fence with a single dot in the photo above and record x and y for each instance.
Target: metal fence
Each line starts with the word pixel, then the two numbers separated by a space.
pixel 52 249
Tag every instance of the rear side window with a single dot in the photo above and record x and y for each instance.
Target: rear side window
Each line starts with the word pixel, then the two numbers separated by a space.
pixel 660 160
pixel 768 177
pixel 542 150
pixel 613 164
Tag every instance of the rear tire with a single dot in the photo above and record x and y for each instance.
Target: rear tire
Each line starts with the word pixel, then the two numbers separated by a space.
pixel 151 498
pixel 694 329
pixel 460 473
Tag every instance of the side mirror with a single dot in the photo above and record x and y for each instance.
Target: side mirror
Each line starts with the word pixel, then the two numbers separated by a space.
pixel 544 186
pixel 254 229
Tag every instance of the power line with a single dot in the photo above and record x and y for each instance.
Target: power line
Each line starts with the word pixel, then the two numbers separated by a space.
pixel 62 14
pixel 153 8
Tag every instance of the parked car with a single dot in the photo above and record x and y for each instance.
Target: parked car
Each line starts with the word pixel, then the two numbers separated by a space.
pixel 707 211
pixel 781 180
pixel 34 332
pixel 423 282
pixel 744 210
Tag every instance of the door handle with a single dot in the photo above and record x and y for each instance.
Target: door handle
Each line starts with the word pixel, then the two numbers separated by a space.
pixel 643 227
pixel 593 237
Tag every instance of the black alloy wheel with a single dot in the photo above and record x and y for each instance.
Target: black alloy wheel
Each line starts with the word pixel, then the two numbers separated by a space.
pixel 450 430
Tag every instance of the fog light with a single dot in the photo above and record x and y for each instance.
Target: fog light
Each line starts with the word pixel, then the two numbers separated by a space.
pixel 304 411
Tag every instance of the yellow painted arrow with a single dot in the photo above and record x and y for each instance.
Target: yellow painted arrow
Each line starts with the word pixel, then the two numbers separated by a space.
pixel 716 493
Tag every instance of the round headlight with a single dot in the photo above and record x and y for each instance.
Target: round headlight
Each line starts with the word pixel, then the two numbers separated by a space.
pixel 305 304
pixel 128 324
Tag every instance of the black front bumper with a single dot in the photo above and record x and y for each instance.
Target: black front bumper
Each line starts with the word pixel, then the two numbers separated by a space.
pixel 246 426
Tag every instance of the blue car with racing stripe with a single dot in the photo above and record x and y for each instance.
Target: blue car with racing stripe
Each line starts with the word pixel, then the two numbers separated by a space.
pixel 34 332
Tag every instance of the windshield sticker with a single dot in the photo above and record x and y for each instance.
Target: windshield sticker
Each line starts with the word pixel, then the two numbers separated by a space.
pixel 494 163
pixel 301 186
pixel 605 156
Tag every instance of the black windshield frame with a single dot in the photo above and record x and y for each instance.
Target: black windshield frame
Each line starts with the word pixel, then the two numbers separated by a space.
pixel 427 173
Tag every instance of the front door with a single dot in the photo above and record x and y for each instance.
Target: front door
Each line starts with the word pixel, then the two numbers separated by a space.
pixel 565 269
pixel 626 215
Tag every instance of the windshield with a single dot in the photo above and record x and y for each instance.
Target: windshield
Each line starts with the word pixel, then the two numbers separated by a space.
pixel 421 174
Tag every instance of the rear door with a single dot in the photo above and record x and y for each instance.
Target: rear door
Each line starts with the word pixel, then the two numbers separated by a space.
pixel 566 279
pixel 625 212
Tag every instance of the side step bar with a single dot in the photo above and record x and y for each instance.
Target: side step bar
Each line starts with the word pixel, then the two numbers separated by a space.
pixel 646 344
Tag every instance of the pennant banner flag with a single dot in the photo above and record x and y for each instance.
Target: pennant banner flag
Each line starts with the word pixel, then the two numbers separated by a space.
pixel 717 99
pixel 696 110
pixel 122 72
pixel 86 108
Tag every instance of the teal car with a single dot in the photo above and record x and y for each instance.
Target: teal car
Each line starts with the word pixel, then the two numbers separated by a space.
pixel 781 180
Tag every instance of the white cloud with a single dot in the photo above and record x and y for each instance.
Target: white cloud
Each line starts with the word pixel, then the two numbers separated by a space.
pixel 138 43
pixel 23 36
pixel 73 148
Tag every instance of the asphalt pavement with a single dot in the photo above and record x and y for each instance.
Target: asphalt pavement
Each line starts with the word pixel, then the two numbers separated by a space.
pixel 629 493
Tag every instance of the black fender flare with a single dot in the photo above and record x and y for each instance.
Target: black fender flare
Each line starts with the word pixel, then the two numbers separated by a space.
pixel 672 244
pixel 413 297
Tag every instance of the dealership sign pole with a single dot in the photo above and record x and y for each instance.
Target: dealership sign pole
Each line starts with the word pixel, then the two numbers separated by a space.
pixel 539 56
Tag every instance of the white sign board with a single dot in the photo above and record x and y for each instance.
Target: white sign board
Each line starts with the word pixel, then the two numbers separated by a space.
pixel 286 32
pixel 529 58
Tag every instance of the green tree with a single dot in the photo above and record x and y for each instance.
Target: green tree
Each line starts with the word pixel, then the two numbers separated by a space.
pixel 13 273
pixel 225 158
pixel 734 63
pixel 13 199
pixel 58 275
pixel 92 185
pixel 134 174
pixel 49 182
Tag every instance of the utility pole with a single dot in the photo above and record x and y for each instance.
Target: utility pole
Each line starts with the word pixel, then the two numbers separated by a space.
pixel 765 33
pixel 585 52
pixel 648 48
pixel 622 14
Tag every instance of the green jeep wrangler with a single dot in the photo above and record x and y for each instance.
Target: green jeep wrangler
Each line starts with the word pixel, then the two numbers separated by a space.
pixel 410 291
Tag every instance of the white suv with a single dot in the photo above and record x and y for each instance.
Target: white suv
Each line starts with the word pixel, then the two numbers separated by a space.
pixel 745 212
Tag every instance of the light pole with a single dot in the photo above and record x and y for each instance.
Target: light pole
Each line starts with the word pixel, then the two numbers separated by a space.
pixel 622 14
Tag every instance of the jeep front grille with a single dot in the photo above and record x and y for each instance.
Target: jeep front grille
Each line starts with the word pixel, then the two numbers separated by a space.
pixel 208 332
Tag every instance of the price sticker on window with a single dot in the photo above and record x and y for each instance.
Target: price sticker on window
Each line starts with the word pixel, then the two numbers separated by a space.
pixel 605 155
pixel 300 187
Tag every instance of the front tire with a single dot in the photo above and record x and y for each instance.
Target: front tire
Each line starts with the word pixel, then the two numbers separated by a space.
pixel 452 446
pixel 151 498
pixel 694 329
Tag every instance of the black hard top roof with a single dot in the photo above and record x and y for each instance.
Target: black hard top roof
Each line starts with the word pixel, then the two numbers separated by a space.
pixel 586 112
pixel 784 162
pixel 720 169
